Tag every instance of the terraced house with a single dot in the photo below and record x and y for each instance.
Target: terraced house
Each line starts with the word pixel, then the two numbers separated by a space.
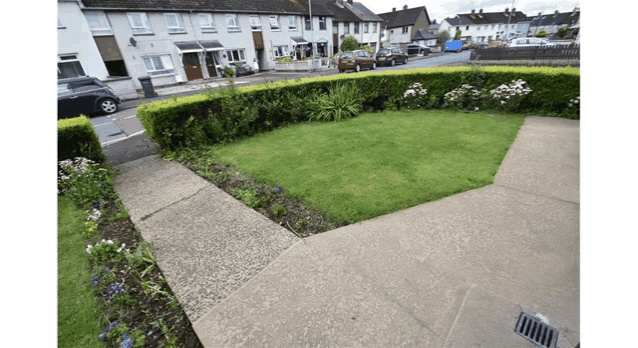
pixel 354 19
pixel 175 41
pixel 551 23
pixel 400 27
pixel 483 27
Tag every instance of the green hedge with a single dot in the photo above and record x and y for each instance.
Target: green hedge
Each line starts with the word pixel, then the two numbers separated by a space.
pixel 224 116
pixel 77 138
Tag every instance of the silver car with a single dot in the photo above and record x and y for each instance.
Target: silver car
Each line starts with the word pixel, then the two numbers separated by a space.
pixel 531 42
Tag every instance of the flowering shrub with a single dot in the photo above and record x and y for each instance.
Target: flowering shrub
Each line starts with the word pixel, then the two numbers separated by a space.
pixel 103 251
pixel 82 180
pixel 465 98
pixel 415 97
pixel 91 228
pixel 509 97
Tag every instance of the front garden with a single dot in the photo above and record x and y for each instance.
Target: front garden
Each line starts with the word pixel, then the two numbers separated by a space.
pixel 407 137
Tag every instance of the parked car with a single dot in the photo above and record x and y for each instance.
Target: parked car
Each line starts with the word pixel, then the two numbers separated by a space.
pixel 85 95
pixel 531 42
pixel 418 49
pixel 495 44
pixel 356 60
pixel 391 56
pixel 453 45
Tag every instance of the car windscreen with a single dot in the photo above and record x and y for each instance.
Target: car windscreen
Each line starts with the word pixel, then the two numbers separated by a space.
pixel 346 55
pixel 383 53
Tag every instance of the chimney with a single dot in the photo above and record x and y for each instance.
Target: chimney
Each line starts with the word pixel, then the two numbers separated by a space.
pixel 405 7
pixel 473 11
pixel 350 2
pixel 540 14
pixel 394 9
pixel 507 10
pixel 513 9
pixel 576 9
pixel 556 12
pixel 481 11
pixel 434 21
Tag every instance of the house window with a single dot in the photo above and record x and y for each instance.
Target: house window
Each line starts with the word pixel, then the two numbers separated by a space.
pixel 478 28
pixel 274 22
pixel 489 38
pixel 467 28
pixel 513 26
pixel 335 28
pixel 139 23
pixel 356 27
pixel 346 28
pixel 159 65
pixel 493 26
pixel 366 27
pixel 405 30
pixel 98 23
pixel 322 23
pixel 255 23
pixel 231 22
pixel 292 23
pixel 308 23
pixel 174 23
pixel 207 22
pixel 374 27
pixel 236 56
pixel 69 66
pixel 280 51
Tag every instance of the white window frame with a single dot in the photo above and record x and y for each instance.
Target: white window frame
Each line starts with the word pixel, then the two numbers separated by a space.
pixel 276 26
pixel 255 23
pixel 240 52
pixel 102 20
pixel 146 24
pixel 292 25
pixel 356 28
pixel 305 21
pixel 179 29
pixel 207 22
pixel 72 60
pixel 325 22
pixel 346 27
pixel 405 30
pixel 235 26
pixel 366 27
pixel 281 51
pixel 164 59
pixel 374 27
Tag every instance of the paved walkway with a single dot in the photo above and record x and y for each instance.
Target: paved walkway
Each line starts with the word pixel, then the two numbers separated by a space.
pixel 452 273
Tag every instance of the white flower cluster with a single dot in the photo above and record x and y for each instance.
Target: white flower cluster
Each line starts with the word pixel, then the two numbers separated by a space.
pixel 459 93
pixel 415 89
pixel 78 165
pixel 94 215
pixel 505 92
pixel 573 102
pixel 89 246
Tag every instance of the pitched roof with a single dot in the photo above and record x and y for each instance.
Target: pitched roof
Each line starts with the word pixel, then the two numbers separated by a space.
pixel 363 12
pixel 340 14
pixel 565 18
pixel 243 6
pixel 403 18
pixel 494 17
pixel 458 21
pixel 422 34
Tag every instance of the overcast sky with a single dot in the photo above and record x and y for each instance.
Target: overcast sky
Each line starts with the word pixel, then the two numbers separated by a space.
pixel 442 9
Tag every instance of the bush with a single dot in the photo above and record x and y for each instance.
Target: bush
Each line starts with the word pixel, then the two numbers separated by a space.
pixel 349 44
pixel 341 102
pixel 77 138
pixel 235 113
pixel 541 33
pixel 83 180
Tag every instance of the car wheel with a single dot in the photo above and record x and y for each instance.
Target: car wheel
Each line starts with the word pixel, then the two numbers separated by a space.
pixel 374 65
pixel 392 62
pixel 108 106
pixel 357 68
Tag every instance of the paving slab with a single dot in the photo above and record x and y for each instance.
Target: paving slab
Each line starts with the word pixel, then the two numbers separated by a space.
pixel 545 160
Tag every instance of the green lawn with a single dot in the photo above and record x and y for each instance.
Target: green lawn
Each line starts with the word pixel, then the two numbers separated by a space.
pixel 78 311
pixel 378 163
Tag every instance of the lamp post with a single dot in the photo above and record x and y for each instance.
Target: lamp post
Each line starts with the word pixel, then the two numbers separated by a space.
pixel 507 32
pixel 312 37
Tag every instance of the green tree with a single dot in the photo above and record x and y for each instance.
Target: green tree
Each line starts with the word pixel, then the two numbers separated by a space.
pixel 442 37
pixel 349 44
pixel 541 33
pixel 562 32
pixel 458 34
pixel 368 48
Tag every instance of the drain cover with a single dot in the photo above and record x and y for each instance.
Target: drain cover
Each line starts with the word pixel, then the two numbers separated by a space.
pixel 536 332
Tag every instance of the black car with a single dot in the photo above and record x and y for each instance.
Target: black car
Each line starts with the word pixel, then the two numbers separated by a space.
pixel 391 56
pixel 85 95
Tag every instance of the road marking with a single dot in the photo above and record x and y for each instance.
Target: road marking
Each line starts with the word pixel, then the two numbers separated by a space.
pixel 101 124
pixel 129 117
pixel 121 139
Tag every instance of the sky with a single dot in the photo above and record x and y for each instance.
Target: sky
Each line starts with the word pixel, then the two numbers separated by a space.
pixel 442 9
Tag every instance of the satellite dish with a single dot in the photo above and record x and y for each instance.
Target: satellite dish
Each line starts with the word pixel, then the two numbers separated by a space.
pixel 342 36
pixel 133 42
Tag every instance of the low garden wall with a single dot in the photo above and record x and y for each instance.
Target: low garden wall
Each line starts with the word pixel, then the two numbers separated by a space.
pixel 77 138
pixel 224 116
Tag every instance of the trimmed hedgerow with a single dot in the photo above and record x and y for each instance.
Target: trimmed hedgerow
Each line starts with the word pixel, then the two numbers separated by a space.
pixel 232 113
pixel 77 138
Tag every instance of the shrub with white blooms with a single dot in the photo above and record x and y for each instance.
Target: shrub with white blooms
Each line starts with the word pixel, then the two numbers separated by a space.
pixel 510 96
pixel 414 97
pixel 464 98
pixel 573 102
pixel 80 179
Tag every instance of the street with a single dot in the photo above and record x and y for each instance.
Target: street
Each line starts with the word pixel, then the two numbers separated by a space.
pixel 122 135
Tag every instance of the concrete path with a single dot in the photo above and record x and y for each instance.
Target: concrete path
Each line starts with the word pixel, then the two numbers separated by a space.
pixel 451 273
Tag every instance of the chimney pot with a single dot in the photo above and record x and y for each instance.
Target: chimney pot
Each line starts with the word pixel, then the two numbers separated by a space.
pixel 405 7
pixel 556 12
pixel 513 9
pixel 473 11
pixel 540 14
pixel 350 2
pixel 394 9
pixel 507 10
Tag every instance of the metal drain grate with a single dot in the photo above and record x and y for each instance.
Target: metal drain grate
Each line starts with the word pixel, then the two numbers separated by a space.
pixel 536 332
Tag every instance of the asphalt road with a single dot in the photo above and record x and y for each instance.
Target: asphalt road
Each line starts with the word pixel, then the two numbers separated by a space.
pixel 122 135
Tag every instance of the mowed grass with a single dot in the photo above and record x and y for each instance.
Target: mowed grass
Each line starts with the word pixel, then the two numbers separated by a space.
pixel 78 311
pixel 378 163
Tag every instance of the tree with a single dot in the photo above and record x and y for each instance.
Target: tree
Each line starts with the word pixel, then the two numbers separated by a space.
pixel 562 32
pixel 368 48
pixel 458 34
pixel 349 44
pixel 442 37
pixel 541 33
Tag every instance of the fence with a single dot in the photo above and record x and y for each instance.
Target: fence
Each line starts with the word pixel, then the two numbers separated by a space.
pixel 569 52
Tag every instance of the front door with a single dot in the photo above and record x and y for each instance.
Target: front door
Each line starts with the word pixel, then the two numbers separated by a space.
pixel 191 67
pixel 211 63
